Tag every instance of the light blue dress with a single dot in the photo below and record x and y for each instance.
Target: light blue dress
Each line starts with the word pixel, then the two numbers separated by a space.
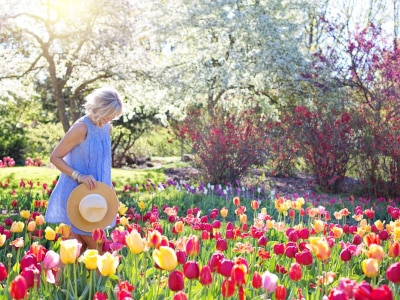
pixel 91 157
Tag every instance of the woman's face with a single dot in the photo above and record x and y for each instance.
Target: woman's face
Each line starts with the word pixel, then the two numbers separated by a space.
pixel 103 121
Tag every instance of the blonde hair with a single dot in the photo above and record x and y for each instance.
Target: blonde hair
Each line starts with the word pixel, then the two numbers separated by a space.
pixel 102 103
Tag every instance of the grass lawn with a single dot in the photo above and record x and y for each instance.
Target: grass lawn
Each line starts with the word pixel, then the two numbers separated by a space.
pixel 48 174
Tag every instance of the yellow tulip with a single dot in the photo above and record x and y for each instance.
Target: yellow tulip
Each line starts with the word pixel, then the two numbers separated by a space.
pixel 49 234
pixel 69 251
pixel 107 264
pixel 25 214
pixel 318 226
pixel 89 258
pixel 2 239
pixel 379 225
pixel 122 209
pixel 17 226
pixel 165 258
pixel 370 267
pixel 142 205
pixel 124 221
pixel 135 242
pixel 396 232
pixel 31 226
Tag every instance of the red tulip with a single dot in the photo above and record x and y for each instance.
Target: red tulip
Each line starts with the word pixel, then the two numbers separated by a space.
pixel 295 272
pixel 191 269
pixel 216 224
pixel 221 245
pixel 357 240
pixel 30 274
pixel 304 233
pixel 100 296
pixel 382 292
pixel 229 234
pixel 225 267
pixel 256 281
pixel 214 261
pixel 279 249
pixel 28 260
pixel 337 294
pixel 176 281
pixel 193 245
pixel 345 254
pixel 393 273
pixel 394 249
pixel 262 241
pixel 280 292
pixel 18 288
pixel 227 288
pixel 291 251
pixel 3 272
pixel 241 293
pixel 238 274
pixel 304 258
pixel 98 235
pixel 205 276
pixel 205 235
pixel 180 296
pixel 181 256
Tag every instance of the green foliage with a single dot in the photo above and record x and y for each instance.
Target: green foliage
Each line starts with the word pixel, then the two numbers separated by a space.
pixel 12 137
pixel 41 140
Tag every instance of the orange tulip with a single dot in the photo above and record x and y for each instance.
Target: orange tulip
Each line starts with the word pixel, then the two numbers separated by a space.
pixel 337 232
pixel 394 249
pixel 320 247
pixel 254 204
pixel 370 267
pixel 31 226
pixel 178 226
pixel 375 251
pixel 193 245
pixel 224 212
pixel 39 220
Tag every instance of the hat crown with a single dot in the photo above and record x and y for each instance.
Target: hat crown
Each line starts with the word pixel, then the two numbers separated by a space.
pixel 93 208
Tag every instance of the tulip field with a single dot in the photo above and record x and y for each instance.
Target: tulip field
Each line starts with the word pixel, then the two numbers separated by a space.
pixel 177 240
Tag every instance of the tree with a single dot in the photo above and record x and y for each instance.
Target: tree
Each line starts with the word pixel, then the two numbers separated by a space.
pixel 74 46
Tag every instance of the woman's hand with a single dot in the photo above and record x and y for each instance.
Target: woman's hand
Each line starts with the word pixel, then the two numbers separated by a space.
pixel 89 180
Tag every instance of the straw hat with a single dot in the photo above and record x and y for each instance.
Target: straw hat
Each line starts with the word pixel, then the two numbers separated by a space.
pixel 91 209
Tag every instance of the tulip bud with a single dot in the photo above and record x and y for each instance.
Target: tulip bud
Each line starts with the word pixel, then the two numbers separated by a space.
pixel 295 272
pixel 18 288
pixel 221 245
pixel 280 292
pixel 227 288
pixel 225 267
pixel 176 281
pixel 345 255
pixel 180 296
pixel 205 276
pixel 393 273
pixel 191 269
pixel 3 272
pixel 269 281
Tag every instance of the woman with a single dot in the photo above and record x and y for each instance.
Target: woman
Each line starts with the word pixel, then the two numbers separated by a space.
pixel 84 156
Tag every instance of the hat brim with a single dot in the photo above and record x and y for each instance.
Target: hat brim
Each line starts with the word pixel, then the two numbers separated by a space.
pixel 79 193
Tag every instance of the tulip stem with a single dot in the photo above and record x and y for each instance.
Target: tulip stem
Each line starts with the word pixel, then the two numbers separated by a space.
pixel 76 282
